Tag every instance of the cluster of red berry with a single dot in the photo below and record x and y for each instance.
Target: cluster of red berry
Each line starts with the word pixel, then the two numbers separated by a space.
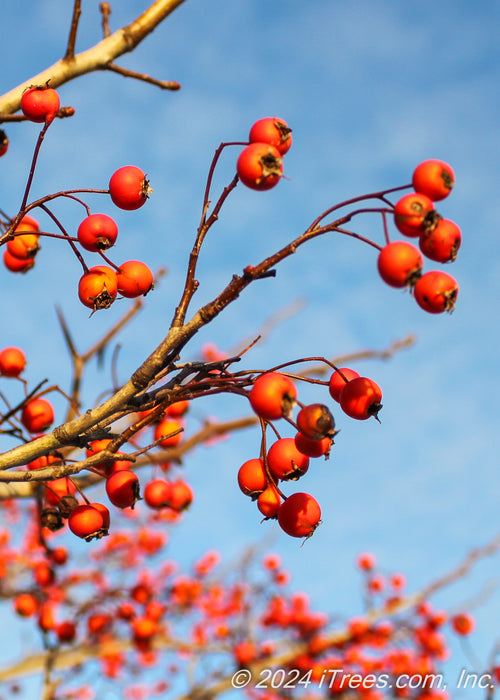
pixel 128 188
pixel 260 165
pixel 273 396
pixel 400 263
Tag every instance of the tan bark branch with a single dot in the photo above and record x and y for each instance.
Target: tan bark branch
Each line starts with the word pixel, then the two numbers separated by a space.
pixel 98 57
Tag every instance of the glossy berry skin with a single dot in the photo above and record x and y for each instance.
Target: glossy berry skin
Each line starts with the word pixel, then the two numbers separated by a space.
pixel 97 288
pixel 157 494
pixel 37 415
pixel 269 502
pixel 40 104
pixel 414 214
pixel 299 515
pixel 360 398
pixel 273 131
pixel 339 379
pixel 129 188
pixel 58 489
pixel 434 178
pixel 285 461
pixel 252 478
pixel 315 421
pixel 181 495
pixel 441 244
pixel 25 604
pixel 259 166
pixel 123 488
pixel 28 223
pixel 436 291
pixel 400 264
pixel 313 448
pixel 273 396
pixel 14 264
pixel 108 467
pixel 24 246
pixel 12 362
pixel 134 279
pixel 97 232
pixel 86 522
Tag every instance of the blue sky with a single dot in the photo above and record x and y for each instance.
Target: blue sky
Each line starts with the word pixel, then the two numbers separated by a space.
pixel 370 89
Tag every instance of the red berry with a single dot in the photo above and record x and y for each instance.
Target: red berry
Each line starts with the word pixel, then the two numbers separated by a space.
pixel 273 396
pixel 269 502
pixel 17 264
pixel 252 478
pixel 109 466
pixel 157 494
pixel 24 246
pixel 4 143
pixel 339 379
pixel 37 415
pixel 434 178
pixel 313 448
pixel 285 461
pixel 123 488
pixel 360 398
pixel 25 604
pixel 414 214
pixel 259 166
pixel 40 104
pixel 12 362
pixel 463 623
pixel 442 243
pixel 273 131
pixel 181 495
pixel 436 292
pixel 97 232
pixel 315 421
pixel 366 561
pixel 97 288
pixel 400 264
pixel 134 279
pixel 299 515
pixel 163 431
pixel 86 522
pixel 129 188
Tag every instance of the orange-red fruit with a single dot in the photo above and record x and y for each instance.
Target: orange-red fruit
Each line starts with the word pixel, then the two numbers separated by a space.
pixel 244 653
pixel 17 264
pixel 97 232
pixel 252 478
pixel 273 131
pixel 123 488
pixel 313 448
pixel 177 409
pixel 25 604
pixel 181 495
pixel 97 288
pixel 269 502
pixel 24 246
pixel 129 188
pixel 40 104
pixel 58 488
pixel 259 166
pixel 315 421
pixel 436 292
pixel 463 623
pixel 66 631
pixel 28 223
pixel 285 461
pixel 400 264
pixel 339 379
pixel 366 561
pixel 134 279
pixel 157 494
pixel 37 415
pixel 442 243
pixel 434 178
pixel 299 515
pixel 163 431
pixel 414 214
pixel 360 398
pixel 273 396
pixel 12 362
pixel 86 522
